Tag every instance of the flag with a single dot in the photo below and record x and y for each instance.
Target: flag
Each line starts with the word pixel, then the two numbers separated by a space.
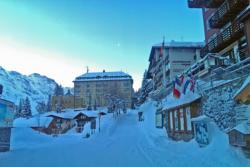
pixel 177 88
pixel 176 92
pixel 192 83
pixel 187 82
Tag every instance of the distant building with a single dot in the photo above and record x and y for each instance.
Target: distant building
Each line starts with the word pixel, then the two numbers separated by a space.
pixel 96 88
pixel 176 57
pixel 227 29
pixel 66 101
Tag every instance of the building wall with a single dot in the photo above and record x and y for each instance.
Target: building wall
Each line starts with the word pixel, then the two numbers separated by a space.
pixel 175 61
pixel 209 32
pixel 67 102
pixel 247 32
pixel 180 59
pixel 5 135
pixel 96 92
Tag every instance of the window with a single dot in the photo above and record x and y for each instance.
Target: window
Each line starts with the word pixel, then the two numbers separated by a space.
pixel 188 116
pixel 176 121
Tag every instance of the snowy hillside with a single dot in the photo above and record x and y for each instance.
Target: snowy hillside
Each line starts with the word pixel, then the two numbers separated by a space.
pixel 35 86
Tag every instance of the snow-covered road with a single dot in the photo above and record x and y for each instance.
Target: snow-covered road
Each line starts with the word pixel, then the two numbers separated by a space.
pixel 122 142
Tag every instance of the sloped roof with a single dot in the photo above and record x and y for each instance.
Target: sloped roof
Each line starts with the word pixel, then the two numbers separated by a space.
pixel 171 102
pixel 71 114
pixel 244 128
pixel 96 76
pixel 177 44
pixel 201 118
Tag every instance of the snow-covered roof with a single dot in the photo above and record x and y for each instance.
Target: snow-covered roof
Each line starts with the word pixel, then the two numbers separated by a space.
pixel 64 115
pixel 33 122
pixel 171 102
pixel 71 114
pixel 244 85
pixel 243 128
pixel 89 113
pixel 177 44
pixel 201 118
pixel 99 76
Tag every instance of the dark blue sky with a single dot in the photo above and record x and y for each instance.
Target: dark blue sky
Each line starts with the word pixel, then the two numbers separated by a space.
pixel 101 34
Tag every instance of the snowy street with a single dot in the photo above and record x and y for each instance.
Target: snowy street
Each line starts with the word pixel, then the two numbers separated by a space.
pixel 122 142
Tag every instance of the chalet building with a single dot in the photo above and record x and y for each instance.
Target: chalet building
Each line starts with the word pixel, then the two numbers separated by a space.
pixel 178 114
pixel 173 60
pixel 53 123
pixel 7 109
pixel 82 118
pixel 226 26
pixel 240 135
pixel 97 88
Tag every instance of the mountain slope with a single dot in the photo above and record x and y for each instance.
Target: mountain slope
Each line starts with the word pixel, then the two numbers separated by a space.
pixel 35 86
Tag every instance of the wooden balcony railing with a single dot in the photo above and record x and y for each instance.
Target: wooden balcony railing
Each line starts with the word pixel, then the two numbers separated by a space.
pixel 222 40
pixel 227 12
pixel 204 3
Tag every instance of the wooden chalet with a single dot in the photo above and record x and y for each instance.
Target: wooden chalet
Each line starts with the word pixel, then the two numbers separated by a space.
pixel 61 123
pixel 82 118
pixel 178 114
pixel 240 135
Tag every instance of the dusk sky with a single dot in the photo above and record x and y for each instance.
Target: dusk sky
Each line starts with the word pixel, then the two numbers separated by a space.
pixel 60 38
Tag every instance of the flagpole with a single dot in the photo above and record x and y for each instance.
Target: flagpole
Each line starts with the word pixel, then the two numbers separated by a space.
pixel 164 65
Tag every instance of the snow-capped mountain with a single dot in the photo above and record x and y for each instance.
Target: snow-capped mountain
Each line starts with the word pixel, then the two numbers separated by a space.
pixel 35 86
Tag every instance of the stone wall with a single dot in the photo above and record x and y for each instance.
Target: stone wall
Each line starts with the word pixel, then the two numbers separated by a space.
pixel 218 103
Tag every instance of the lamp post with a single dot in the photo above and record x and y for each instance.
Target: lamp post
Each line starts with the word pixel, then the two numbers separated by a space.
pixel 99 117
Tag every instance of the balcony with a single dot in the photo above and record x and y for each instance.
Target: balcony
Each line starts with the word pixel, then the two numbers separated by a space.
pixel 225 38
pixel 204 3
pixel 227 12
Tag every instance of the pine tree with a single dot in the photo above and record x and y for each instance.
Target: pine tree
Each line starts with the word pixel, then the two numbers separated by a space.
pixel 26 111
pixel 19 109
pixel 48 106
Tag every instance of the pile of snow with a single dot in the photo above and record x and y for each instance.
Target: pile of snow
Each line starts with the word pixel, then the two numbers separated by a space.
pixel 32 122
